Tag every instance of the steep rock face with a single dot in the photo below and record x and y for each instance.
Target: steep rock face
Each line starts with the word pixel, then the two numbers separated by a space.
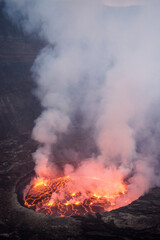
pixel 18 107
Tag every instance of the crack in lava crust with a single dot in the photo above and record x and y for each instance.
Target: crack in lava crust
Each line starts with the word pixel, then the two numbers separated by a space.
pixel 62 197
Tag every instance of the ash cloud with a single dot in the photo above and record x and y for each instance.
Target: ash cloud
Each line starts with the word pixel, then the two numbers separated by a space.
pixel 102 62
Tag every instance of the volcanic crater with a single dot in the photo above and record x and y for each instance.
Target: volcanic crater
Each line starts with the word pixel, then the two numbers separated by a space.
pixel 19 108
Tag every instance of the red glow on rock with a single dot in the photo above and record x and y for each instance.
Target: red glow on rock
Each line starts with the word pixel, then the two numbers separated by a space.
pixel 77 194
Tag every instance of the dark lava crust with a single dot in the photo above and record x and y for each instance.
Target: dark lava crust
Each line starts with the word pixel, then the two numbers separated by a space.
pixel 18 109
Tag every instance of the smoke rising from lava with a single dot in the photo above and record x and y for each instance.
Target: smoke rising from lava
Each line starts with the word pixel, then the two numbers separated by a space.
pixel 103 63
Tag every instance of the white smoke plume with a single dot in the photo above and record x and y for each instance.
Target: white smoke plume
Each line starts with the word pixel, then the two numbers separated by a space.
pixel 104 63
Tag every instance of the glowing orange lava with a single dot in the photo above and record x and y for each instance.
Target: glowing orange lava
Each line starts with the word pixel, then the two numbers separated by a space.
pixel 64 197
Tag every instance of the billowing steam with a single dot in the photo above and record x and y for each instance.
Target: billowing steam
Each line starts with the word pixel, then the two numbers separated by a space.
pixel 101 63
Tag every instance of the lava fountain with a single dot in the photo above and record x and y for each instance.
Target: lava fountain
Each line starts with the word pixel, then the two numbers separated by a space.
pixel 77 194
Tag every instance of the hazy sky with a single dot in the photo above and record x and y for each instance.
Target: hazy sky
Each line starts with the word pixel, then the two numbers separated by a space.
pixel 128 2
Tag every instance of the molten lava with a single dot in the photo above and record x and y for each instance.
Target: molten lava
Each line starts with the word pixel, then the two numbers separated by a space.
pixel 65 196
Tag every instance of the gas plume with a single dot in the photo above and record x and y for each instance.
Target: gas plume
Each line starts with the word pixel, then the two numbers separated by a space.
pixel 102 63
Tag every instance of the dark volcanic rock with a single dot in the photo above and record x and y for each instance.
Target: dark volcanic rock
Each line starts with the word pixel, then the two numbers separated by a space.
pixel 18 109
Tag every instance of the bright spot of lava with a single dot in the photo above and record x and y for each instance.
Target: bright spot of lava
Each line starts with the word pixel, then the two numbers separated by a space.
pixel 63 196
